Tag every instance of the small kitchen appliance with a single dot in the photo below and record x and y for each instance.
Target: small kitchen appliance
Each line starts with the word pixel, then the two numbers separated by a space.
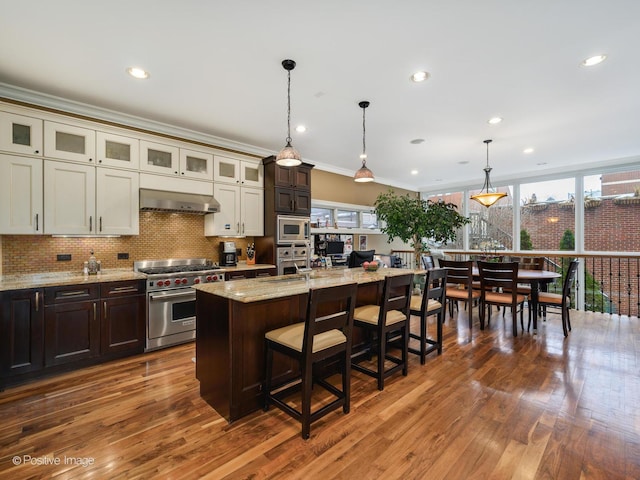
pixel 228 254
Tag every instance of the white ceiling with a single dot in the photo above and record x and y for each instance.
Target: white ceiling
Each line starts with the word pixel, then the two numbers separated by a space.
pixel 216 68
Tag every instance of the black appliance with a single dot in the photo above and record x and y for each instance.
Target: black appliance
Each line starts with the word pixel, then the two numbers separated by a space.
pixel 228 254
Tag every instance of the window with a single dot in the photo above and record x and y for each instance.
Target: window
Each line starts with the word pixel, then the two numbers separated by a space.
pixel 547 215
pixel 321 217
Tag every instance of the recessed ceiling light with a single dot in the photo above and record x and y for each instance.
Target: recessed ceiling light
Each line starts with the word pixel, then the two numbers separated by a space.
pixel 414 172
pixel 463 162
pixel 495 120
pixel 541 163
pixel 137 72
pixel 420 76
pixel 417 141
pixel 528 150
pixel 301 129
pixel 595 60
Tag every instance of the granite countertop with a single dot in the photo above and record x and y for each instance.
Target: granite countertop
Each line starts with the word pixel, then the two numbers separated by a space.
pixel 243 266
pixel 266 288
pixel 51 279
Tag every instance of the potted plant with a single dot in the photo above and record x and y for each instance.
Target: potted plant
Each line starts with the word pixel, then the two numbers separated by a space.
pixel 414 220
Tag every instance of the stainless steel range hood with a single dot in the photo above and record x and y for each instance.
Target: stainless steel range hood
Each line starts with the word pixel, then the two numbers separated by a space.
pixel 162 201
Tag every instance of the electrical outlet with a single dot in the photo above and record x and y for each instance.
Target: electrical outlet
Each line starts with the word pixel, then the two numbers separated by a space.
pixel 123 256
pixel 63 257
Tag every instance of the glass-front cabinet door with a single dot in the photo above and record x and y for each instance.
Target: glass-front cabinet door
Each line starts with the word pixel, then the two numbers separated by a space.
pixel 20 134
pixel 69 142
pixel 195 164
pixel 252 175
pixel 226 170
pixel 117 151
pixel 159 158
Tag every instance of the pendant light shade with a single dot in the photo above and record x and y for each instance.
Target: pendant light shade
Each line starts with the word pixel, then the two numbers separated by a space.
pixel 488 195
pixel 364 174
pixel 288 156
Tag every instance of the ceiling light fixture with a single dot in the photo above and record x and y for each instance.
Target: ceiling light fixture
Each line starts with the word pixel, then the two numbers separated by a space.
pixel 419 77
pixel 363 174
pixel 301 129
pixel 488 195
pixel 495 120
pixel 528 150
pixel 595 60
pixel 137 72
pixel 288 156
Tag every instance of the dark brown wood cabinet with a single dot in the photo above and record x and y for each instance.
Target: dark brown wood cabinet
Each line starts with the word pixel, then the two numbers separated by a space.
pixel 21 332
pixel 250 273
pixel 72 324
pixel 122 327
pixel 54 329
pixel 287 191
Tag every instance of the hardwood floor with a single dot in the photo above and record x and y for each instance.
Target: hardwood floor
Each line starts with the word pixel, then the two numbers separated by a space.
pixel 491 406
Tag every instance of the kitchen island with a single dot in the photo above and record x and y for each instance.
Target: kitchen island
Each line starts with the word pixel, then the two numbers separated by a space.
pixel 232 318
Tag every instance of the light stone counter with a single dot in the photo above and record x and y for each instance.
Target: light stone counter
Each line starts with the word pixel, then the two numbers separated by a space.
pixel 52 279
pixel 267 288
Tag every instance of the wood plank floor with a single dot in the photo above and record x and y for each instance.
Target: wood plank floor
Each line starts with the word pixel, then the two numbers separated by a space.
pixel 491 406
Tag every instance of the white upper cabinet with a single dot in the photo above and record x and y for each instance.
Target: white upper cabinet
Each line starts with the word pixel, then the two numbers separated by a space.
pixel 69 198
pixel 240 172
pixel 69 142
pixel 241 212
pixel 117 151
pixel 117 202
pixel 85 200
pixel 194 164
pixel 20 134
pixel 21 208
pixel 159 158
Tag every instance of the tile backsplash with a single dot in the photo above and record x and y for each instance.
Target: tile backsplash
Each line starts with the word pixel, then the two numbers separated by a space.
pixel 162 235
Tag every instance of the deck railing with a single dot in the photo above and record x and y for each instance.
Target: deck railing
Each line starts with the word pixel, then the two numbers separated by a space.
pixel 605 283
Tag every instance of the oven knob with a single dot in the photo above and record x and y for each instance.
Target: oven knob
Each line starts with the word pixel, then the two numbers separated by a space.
pixel 208 278
pixel 214 278
pixel 177 281
pixel 196 280
pixel 184 281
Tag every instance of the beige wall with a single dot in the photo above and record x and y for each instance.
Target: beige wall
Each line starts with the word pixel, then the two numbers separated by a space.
pixel 339 188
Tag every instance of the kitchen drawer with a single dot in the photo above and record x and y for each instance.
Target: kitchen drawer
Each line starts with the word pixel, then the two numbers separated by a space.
pixel 71 293
pixel 122 288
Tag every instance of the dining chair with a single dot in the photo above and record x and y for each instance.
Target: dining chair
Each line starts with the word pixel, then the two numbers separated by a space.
pixel 325 333
pixel 527 263
pixel 384 326
pixel 563 300
pixel 428 262
pixel 459 286
pixel 499 282
pixel 431 302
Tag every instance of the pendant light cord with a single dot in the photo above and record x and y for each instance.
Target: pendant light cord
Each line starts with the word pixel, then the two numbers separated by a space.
pixel 288 139
pixel 364 135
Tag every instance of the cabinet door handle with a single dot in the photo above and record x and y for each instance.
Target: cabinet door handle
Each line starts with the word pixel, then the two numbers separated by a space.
pixel 37 223
pixel 95 311
pixel 101 223
pixel 91 223
pixel 292 205
pixel 105 310
pixel 242 227
pixel 238 227
pixel 37 301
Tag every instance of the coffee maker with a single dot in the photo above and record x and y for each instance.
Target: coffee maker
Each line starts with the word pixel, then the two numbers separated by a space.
pixel 228 255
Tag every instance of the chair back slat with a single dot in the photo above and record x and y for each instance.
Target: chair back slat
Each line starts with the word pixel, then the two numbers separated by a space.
pixel 500 276
pixel 435 286
pixel 460 272
pixel 396 295
pixel 330 308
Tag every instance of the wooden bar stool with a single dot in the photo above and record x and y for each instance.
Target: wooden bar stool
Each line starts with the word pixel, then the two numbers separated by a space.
pixel 325 333
pixel 460 278
pixel 431 302
pixel 386 323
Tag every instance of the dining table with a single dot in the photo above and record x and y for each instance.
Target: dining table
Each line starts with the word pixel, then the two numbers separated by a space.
pixel 535 278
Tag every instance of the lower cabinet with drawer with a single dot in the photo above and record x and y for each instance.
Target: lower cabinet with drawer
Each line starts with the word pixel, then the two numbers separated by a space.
pixel 54 329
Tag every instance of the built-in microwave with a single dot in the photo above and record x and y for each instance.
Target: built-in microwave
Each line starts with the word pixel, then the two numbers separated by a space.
pixel 292 229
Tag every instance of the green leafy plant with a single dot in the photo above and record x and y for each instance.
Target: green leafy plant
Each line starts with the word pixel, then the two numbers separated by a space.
pixel 414 220
pixel 525 240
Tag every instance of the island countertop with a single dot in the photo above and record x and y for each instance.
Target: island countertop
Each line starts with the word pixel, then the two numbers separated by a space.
pixel 51 279
pixel 267 288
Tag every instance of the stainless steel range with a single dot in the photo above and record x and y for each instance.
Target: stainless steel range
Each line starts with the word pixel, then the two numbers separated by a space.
pixel 171 302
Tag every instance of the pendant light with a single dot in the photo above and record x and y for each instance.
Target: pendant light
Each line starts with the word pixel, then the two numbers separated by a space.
pixel 288 156
pixel 363 174
pixel 488 195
